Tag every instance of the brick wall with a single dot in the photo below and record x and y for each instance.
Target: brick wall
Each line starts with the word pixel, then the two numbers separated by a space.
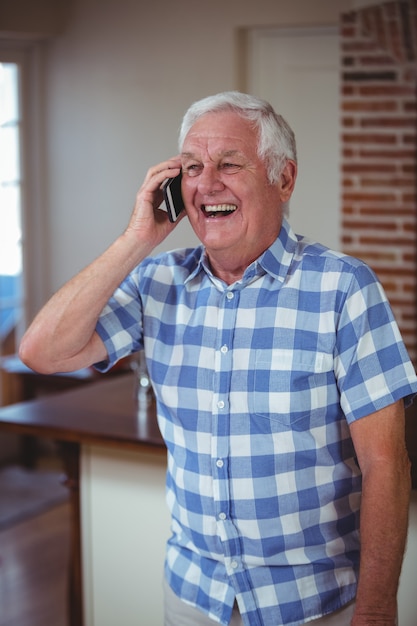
pixel 379 148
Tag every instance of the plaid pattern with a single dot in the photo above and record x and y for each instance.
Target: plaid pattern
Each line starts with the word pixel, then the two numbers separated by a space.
pixel 256 384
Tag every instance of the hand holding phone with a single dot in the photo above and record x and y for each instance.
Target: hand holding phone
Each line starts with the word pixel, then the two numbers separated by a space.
pixel 174 203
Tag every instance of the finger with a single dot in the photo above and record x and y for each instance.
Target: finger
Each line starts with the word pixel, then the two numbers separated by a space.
pixel 166 169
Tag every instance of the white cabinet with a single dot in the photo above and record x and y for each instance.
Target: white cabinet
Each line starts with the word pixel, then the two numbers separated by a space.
pixel 125 525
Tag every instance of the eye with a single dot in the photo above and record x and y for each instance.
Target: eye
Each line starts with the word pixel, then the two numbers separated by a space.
pixel 193 169
pixel 230 168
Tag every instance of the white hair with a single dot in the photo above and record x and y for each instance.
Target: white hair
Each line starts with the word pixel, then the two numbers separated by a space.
pixel 276 143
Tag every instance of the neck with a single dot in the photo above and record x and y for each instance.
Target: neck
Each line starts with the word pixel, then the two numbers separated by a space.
pixel 229 270
pixel 230 264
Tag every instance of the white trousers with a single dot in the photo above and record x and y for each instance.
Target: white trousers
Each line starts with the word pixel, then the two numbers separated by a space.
pixel 178 613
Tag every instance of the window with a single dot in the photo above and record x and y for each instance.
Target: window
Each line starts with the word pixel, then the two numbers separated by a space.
pixel 11 292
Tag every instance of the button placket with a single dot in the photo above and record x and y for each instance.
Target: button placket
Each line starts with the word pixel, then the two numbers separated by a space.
pixel 221 389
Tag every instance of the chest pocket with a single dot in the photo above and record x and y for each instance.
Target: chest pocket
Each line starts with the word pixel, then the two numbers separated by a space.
pixel 290 385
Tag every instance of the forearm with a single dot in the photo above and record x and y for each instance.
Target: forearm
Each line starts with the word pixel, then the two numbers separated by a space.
pixel 61 337
pixel 383 531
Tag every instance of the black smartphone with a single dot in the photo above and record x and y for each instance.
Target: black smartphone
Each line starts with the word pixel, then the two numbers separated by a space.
pixel 172 195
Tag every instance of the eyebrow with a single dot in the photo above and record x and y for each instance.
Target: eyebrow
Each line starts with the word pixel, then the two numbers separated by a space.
pixel 226 153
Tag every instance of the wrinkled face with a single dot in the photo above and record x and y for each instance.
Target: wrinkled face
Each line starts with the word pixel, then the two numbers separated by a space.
pixel 235 212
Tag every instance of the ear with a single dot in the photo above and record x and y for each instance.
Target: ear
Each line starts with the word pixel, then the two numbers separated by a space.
pixel 287 180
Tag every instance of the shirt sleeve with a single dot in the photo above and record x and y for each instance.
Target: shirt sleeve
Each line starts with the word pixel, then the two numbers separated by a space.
pixel 372 365
pixel 120 323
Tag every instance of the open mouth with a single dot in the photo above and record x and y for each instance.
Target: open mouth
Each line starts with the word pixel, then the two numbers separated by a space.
pixel 218 210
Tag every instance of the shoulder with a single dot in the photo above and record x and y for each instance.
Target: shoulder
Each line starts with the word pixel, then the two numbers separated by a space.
pixel 312 250
pixel 175 266
pixel 315 257
pixel 308 254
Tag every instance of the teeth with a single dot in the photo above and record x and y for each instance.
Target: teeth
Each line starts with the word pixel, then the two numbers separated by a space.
pixel 218 208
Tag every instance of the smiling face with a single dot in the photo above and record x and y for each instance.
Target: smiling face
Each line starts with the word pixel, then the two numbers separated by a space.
pixel 235 212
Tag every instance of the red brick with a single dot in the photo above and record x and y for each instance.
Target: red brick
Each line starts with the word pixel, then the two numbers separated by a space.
pixel 387 182
pixel 373 226
pixel 348 90
pixel 393 271
pixel 389 155
pixel 385 90
pixel 376 60
pixel 366 240
pixel 361 138
pixel 390 210
pixel 361 167
pixel 410 106
pixel 386 257
pixel 369 197
pixel 357 46
pixel 347 31
pixel 367 106
pixel 382 228
pixel 388 122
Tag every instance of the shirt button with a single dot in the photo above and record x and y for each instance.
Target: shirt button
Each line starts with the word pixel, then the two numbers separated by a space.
pixel 220 404
pixel 224 349
pixel 219 463
pixel 234 564
pixel 230 295
pixel 222 516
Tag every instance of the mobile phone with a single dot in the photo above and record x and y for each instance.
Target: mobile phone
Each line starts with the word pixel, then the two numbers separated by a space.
pixel 172 195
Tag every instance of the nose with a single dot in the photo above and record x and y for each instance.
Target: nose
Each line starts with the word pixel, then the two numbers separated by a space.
pixel 209 180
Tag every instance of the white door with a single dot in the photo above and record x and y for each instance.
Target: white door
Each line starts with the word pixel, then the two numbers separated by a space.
pixel 297 71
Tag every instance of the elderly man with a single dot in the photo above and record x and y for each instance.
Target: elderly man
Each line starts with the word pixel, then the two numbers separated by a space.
pixel 280 378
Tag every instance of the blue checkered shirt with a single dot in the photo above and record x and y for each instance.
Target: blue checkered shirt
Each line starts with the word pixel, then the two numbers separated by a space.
pixel 256 384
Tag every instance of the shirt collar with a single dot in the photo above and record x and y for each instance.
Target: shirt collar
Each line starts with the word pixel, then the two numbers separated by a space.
pixel 275 261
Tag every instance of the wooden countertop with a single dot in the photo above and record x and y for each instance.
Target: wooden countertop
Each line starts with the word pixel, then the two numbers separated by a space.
pixel 101 413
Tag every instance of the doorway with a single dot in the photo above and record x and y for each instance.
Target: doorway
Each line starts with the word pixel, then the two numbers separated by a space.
pixel 297 71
